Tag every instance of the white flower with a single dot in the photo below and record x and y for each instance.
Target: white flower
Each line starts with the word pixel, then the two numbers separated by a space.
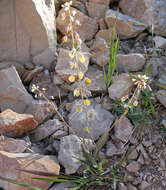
pixel 74 12
pixel 78 22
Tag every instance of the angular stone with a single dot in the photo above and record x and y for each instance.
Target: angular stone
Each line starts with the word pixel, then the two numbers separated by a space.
pixel 35 162
pixel 21 37
pixel 12 145
pixel 123 130
pixel 160 42
pixel 126 27
pixel 96 10
pixel 163 123
pixel 70 152
pixel 99 120
pixel 63 67
pixel 130 62
pixel 41 110
pixel 133 167
pixel 147 11
pixel 104 34
pixel 86 30
pixel 13 124
pixel 120 87
pixel 13 94
pixel 105 2
pixel 133 155
pixel 100 52
pixel 111 149
pixel 51 91
pixel 161 96
pixel 97 84
pixel 45 130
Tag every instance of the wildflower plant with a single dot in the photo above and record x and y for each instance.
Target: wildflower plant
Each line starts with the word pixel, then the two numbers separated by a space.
pixel 76 59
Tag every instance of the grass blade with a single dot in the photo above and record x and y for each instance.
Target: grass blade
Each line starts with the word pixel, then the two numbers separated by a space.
pixel 19 183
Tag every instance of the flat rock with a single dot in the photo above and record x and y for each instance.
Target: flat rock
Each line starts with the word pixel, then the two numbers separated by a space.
pixel 13 124
pixel 45 130
pixel 97 84
pixel 147 11
pixel 130 62
pixel 100 52
pixel 105 2
pixel 51 91
pixel 104 34
pixel 86 30
pixel 120 87
pixel 133 167
pixel 96 10
pixel 12 145
pixel 126 26
pixel 70 153
pixel 100 121
pixel 41 110
pixel 161 96
pixel 23 38
pixel 160 42
pixel 26 161
pixel 63 64
pixel 123 130
pixel 13 94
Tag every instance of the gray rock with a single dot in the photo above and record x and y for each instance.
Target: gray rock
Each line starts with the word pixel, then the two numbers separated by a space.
pixel 126 26
pixel 28 34
pixel 100 121
pixel 123 130
pixel 45 130
pixel 160 42
pixel 120 87
pixel 13 94
pixel 130 62
pixel 70 153
pixel 133 167
pixel 147 11
pixel 59 134
pixel 111 149
pixel 41 110
pixel 163 123
pixel 62 186
pixel 161 96
pixel 63 67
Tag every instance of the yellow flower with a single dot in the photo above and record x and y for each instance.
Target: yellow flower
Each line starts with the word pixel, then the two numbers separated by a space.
pixel 87 81
pixel 78 109
pixel 91 115
pixel 82 59
pixel 86 130
pixel 71 78
pixel 75 65
pixel 71 65
pixel 86 102
pixel 76 92
pixel 71 55
pixel 81 75
pixel 135 103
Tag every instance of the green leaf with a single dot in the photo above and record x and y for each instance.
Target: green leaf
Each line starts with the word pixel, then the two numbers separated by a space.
pixel 161 85
pixel 19 183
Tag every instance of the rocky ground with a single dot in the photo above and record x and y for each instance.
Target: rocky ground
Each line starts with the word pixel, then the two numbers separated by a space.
pixel 34 137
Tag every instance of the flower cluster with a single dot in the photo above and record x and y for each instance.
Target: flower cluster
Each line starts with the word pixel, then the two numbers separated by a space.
pixel 142 81
pixel 75 55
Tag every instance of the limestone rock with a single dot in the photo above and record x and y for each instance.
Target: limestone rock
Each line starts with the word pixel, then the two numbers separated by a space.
pixel 160 42
pixel 123 130
pixel 63 67
pixel 35 162
pixel 86 30
pixel 45 130
pixel 130 62
pixel 161 96
pixel 120 87
pixel 133 167
pixel 12 145
pixel 126 27
pixel 41 110
pixel 27 30
pixel 96 10
pixel 13 124
pixel 99 120
pixel 147 11
pixel 13 94
pixel 70 153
